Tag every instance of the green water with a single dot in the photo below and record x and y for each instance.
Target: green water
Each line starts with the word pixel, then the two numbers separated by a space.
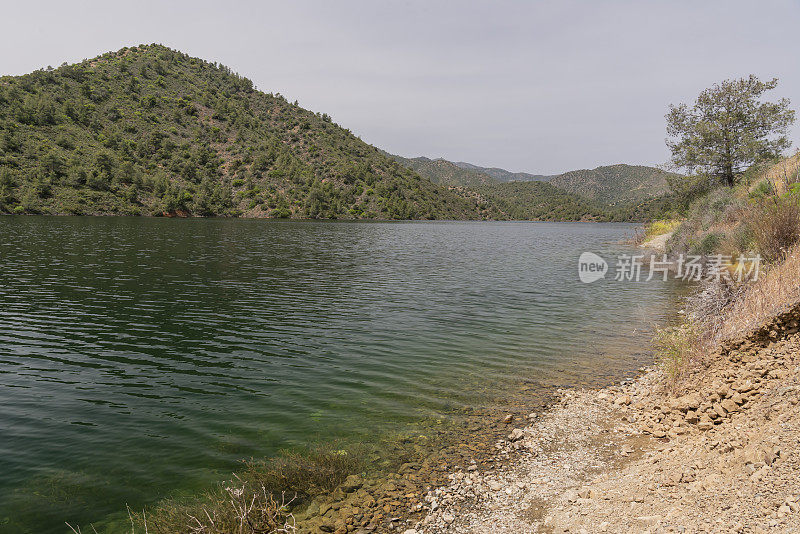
pixel 140 357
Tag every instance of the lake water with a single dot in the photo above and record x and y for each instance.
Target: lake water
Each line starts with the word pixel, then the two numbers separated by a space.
pixel 139 357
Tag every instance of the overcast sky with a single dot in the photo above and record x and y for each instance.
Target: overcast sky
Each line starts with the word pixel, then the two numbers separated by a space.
pixel 541 87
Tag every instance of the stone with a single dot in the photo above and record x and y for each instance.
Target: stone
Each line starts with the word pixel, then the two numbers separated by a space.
pixel 688 402
pixel 508 418
pixel 352 483
pixel 622 400
pixel 705 424
pixel 516 435
pixel 729 405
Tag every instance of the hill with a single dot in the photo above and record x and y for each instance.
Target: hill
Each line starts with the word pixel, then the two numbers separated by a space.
pixel 441 171
pixel 615 192
pixel 615 184
pixel 151 131
pixel 540 201
pixel 502 175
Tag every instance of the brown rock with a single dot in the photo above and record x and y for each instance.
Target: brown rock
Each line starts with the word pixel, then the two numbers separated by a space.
pixel 729 405
pixel 623 400
pixel 705 424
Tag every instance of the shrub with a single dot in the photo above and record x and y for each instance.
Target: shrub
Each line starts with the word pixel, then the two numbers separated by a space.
pixel 280 213
pixel 259 499
pixel 775 227
pixel 676 347
pixel 738 241
pixel 707 244
pixel 763 189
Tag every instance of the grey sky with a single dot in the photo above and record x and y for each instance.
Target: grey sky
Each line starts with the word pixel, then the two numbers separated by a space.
pixel 541 87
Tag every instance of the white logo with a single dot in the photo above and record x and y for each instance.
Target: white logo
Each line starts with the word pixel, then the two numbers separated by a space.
pixel 591 267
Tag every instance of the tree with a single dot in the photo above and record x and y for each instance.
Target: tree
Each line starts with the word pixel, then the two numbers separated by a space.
pixel 728 128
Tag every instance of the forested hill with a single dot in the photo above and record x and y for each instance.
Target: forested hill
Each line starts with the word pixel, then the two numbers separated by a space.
pixel 502 175
pixel 441 171
pixel 612 186
pixel 615 184
pixel 149 130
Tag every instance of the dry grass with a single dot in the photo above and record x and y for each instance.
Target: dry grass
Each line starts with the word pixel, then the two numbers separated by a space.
pixel 726 310
pixel 775 226
pixel 242 509
pixel 777 288
pixel 677 348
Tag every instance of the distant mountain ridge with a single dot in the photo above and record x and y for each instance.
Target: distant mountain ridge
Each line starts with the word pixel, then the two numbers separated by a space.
pixel 608 185
pixel 614 184
pixel 441 171
pixel 502 175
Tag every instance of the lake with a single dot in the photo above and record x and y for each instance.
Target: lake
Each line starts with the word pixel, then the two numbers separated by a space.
pixel 144 357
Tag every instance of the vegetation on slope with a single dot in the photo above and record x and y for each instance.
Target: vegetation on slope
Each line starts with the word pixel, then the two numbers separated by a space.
pixel 613 193
pixel 502 175
pixel 760 214
pixel 540 201
pixel 148 130
pixel 441 171
pixel 615 185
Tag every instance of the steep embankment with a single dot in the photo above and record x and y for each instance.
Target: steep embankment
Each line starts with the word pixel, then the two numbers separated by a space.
pixel 149 130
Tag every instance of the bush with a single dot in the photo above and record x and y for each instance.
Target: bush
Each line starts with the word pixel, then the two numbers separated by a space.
pixel 656 228
pixel 280 213
pixel 775 227
pixel 707 245
pixel 676 347
pixel 763 189
pixel 259 499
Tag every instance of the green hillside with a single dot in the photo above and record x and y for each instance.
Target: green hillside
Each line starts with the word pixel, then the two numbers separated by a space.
pixel 149 130
pixel 502 175
pixel 540 201
pixel 444 172
pixel 615 184
pixel 615 192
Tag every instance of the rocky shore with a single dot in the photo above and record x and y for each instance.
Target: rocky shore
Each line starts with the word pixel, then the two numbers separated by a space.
pixel 719 454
